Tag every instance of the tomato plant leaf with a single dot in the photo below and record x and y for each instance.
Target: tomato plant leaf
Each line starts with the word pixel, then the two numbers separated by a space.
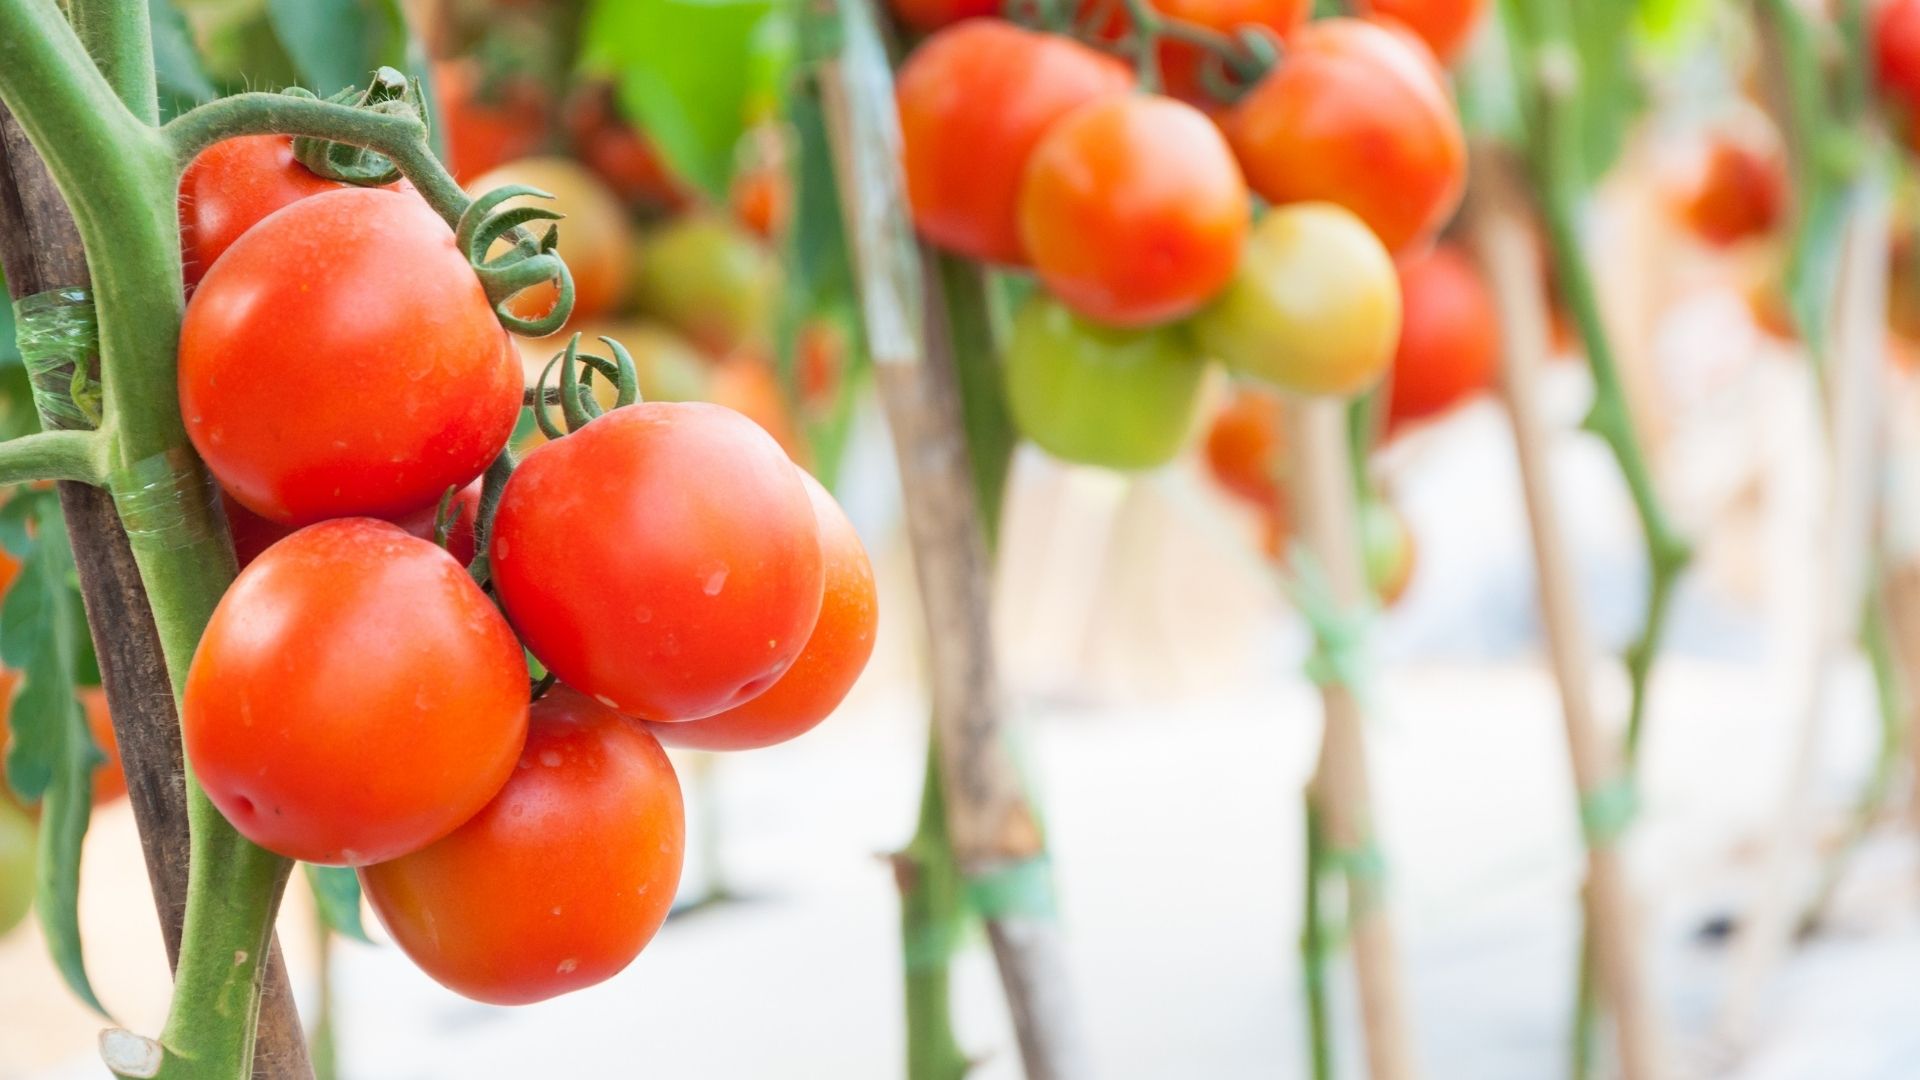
pixel 336 894
pixel 52 756
pixel 335 44
pixel 180 75
pixel 693 103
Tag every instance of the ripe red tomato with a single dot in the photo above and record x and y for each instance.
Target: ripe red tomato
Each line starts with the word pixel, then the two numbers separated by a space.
pixel 595 239
pixel 253 534
pixel 927 16
pixel 835 654
pixel 1246 446
pixel 342 359
pixel 355 696
pixel 1738 190
pixel 561 880
pixel 1896 54
pixel 1356 114
pixel 664 559
pixel 1121 399
pixel 1133 211
pixel 1315 307
pixel 1449 336
pixel 486 125
pixel 230 186
pixel 1445 25
pixel 974 100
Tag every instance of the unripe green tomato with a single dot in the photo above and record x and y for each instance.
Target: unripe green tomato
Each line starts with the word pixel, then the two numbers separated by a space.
pixel 1314 308
pixel 711 280
pixel 1389 547
pixel 17 833
pixel 1098 395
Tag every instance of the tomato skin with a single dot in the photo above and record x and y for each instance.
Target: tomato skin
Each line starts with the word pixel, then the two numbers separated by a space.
pixel 1132 210
pixel 974 100
pixel 663 559
pixel 711 280
pixel 318 315
pixel 595 239
pixel 19 862
pixel 835 654
pixel 355 696
pixel 483 134
pixel 1449 336
pixel 559 881
pixel 927 16
pixel 1357 115
pixel 1122 399
pixel 253 534
pixel 1445 25
pixel 1315 307
pixel 1246 446
pixel 1739 192
pixel 230 186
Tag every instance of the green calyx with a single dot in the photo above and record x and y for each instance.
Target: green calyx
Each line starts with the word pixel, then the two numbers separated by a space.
pixel 388 92
pixel 527 263
pixel 574 394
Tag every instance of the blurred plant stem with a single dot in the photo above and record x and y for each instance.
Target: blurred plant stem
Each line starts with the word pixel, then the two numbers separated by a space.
pixel 1315 943
pixel 320 1044
pixel 932 917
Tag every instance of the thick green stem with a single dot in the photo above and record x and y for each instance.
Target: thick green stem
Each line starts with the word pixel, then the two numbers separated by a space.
pixel 117 35
pixel 932 915
pixel 54 455
pixel 1314 939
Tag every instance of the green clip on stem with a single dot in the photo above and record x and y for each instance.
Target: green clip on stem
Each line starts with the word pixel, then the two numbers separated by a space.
pixel 58 339
pixel 158 496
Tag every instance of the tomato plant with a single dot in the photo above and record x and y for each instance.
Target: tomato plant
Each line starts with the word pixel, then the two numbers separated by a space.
pixel 560 880
pixel 1356 114
pixel 974 100
pixel 339 302
pixel 599 242
pixel 1132 210
pixel 835 654
pixel 1449 336
pixel 711 280
pixel 1314 308
pixel 355 696
pixel 664 558
pixel 1083 392
pixel 1445 25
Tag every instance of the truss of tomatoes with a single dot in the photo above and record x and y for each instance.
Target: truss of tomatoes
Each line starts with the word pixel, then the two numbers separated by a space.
pixel 1134 211
pixel 359 699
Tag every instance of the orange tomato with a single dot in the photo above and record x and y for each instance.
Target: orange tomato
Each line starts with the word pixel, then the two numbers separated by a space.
pixel 1246 446
pixel 1445 25
pixel 974 100
pixel 1356 114
pixel 1133 210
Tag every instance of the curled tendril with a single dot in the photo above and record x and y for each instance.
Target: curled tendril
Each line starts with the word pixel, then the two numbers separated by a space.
pixel 574 393
pixel 528 262
pixel 388 91
pixel 1226 74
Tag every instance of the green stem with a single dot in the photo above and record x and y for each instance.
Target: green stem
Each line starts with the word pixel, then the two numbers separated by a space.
pixel 54 455
pixel 1586 1009
pixel 932 915
pixel 322 1044
pixel 118 36
pixel 1313 951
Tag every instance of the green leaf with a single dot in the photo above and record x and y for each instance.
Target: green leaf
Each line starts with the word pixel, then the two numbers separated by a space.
pixel 336 893
pixel 695 74
pixel 181 77
pixel 335 44
pixel 52 757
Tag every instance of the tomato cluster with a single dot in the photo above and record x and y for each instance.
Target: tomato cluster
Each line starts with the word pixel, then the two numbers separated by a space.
pixel 1134 211
pixel 362 695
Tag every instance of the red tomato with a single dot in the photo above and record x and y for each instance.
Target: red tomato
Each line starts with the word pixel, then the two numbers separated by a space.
pixel 1133 210
pixel 230 187
pixel 1896 55
pixel 664 559
pixel 1449 336
pixel 355 696
pixel 927 16
pixel 342 359
pixel 561 880
pixel 1445 25
pixel 835 654
pixel 253 534
pixel 974 101
pixel 1247 445
pixel 1356 114
pixel 619 154
pixel 486 126
pixel 1739 190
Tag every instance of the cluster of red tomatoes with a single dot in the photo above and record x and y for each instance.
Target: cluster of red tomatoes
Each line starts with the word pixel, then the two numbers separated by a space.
pixel 361 698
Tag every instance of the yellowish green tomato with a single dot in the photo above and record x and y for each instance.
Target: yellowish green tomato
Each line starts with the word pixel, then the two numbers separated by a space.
pixel 1093 394
pixel 1389 547
pixel 711 280
pixel 17 833
pixel 1314 307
